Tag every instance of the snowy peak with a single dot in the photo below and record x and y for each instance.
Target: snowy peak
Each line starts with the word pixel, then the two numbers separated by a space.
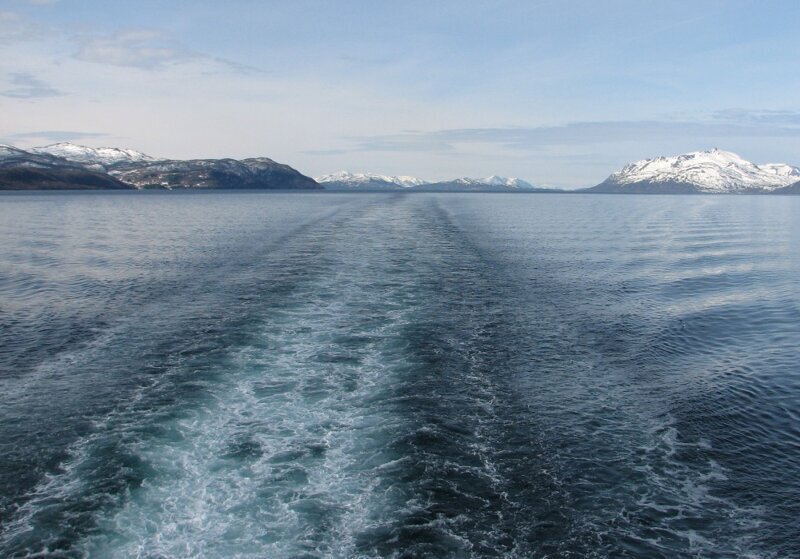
pixel 104 157
pixel 364 179
pixel 711 171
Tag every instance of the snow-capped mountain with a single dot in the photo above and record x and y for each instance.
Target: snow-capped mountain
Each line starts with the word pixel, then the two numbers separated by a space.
pixel 495 180
pixel 489 184
pixel 713 171
pixel 345 180
pixel 369 181
pixel 102 157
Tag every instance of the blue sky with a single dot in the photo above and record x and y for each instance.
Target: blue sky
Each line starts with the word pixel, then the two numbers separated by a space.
pixel 555 92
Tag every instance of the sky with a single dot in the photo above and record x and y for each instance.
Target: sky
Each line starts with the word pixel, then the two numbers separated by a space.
pixel 559 93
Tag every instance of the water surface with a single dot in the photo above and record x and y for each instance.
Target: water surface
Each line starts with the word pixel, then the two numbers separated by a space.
pixel 389 375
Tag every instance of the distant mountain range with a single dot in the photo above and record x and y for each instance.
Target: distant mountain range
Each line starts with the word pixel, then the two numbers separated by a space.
pixel 701 172
pixel 488 184
pixel 69 166
pixel 368 181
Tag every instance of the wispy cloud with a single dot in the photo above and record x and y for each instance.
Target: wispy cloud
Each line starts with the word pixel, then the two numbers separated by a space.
pixel 15 28
pixel 52 136
pixel 732 123
pixel 767 117
pixel 140 48
pixel 27 86
pixel 325 152
pixel 149 49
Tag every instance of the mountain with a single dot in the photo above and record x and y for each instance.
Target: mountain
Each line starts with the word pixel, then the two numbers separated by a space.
pixel 367 181
pixel 713 172
pixel 488 184
pixel 65 165
pixel 255 173
pixel 142 171
pixel 103 158
pixel 23 170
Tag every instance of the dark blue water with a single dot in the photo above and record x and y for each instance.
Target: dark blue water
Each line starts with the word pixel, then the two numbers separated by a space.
pixel 384 375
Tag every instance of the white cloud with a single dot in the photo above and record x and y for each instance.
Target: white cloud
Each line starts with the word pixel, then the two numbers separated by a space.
pixel 734 123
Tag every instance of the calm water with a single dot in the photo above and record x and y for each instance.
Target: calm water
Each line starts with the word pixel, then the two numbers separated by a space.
pixel 265 375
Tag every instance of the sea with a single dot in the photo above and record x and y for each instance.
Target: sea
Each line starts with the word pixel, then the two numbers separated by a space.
pixel 410 375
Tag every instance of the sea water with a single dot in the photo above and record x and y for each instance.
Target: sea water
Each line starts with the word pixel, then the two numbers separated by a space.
pixel 253 375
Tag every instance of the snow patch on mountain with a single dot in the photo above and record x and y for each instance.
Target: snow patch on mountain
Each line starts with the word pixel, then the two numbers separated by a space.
pixel 103 157
pixel 11 156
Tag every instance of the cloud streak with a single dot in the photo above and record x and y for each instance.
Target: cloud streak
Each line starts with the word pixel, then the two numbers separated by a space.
pixel 147 49
pixel 14 29
pixel 761 117
pixel 733 123
pixel 139 48
pixel 28 86
pixel 52 136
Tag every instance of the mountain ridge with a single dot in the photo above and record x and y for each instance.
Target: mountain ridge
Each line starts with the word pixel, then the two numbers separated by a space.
pixel 66 166
pixel 103 156
pixel 23 170
pixel 71 166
